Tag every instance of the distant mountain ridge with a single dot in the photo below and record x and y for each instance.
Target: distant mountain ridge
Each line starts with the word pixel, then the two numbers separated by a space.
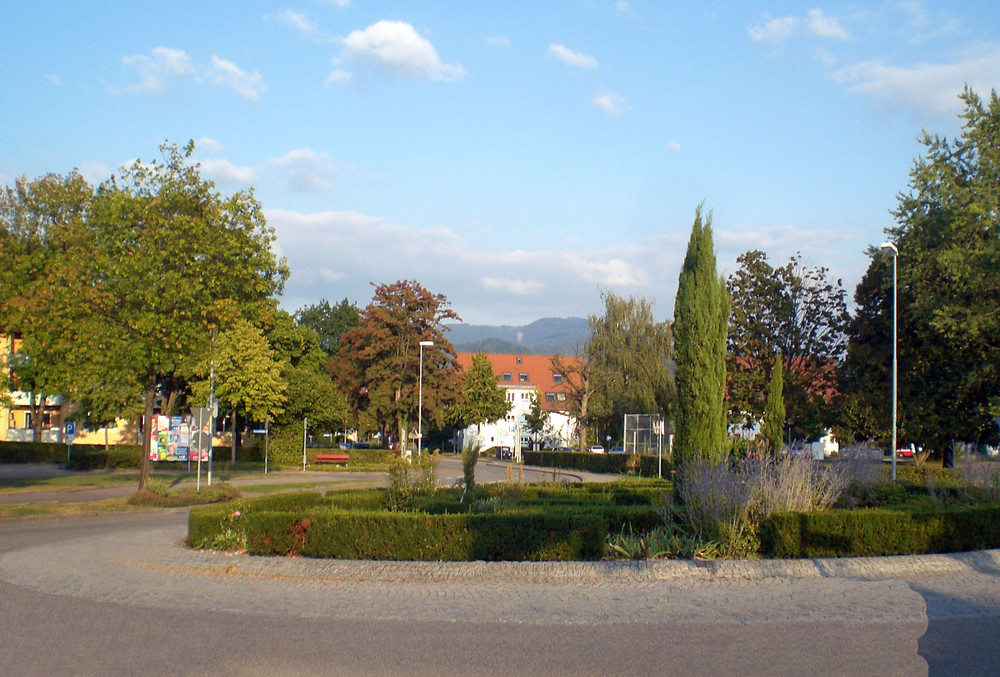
pixel 547 336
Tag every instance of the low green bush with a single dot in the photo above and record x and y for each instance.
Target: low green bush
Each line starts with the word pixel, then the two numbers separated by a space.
pixel 416 536
pixel 846 533
pixel 614 464
pixel 32 452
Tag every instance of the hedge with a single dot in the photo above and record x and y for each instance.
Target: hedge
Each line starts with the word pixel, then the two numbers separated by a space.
pixel 614 464
pixel 417 536
pixel 843 533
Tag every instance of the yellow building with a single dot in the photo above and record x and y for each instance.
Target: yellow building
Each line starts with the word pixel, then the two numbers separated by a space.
pixel 15 420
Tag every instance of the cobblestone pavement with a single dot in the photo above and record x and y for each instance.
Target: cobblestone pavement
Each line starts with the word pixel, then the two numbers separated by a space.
pixel 151 567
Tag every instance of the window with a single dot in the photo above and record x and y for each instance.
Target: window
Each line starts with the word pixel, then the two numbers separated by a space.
pixel 557 378
pixel 561 397
pixel 507 376
pixel 550 397
pixel 519 360
pixel 522 377
pixel 510 397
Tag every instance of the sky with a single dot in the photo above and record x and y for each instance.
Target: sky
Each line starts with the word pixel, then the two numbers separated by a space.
pixel 519 158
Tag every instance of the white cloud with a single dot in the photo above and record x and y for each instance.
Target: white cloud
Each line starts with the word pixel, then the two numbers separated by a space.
pixel 923 88
pixel 774 32
pixel 209 144
pixel 224 171
pixel 498 41
pixel 612 104
pixel 337 254
pixel 673 146
pixel 777 31
pixel 571 58
pixel 166 64
pixel 225 73
pixel 821 25
pixel 515 286
pixel 338 76
pixel 337 3
pixel 308 170
pixel 396 47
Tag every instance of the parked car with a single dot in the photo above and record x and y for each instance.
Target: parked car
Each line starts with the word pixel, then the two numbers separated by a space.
pixel 617 450
pixel 562 448
pixel 597 449
pixel 908 452
pixel 505 453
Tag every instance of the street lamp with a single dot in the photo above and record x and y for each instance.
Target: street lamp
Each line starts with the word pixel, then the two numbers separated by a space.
pixel 420 396
pixel 890 249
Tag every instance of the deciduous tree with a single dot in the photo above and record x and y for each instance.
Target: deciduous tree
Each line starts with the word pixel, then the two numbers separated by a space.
pixel 483 401
pixel 378 361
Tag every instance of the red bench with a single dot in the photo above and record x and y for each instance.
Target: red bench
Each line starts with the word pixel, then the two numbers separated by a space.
pixel 331 458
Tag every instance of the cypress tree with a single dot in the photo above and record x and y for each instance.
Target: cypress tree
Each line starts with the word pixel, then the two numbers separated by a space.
pixel 701 314
pixel 774 409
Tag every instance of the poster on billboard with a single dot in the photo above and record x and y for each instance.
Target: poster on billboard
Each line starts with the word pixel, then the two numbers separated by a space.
pixel 174 438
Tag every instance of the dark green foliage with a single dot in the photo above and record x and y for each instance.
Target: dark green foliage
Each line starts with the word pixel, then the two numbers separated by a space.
pixel 614 464
pixel 845 533
pixel 774 409
pixel 701 314
pixel 32 452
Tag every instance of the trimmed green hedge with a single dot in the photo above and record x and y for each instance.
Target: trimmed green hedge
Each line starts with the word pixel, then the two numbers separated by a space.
pixel 613 464
pixel 416 536
pixel 534 522
pixel 841 533
pixel 33 452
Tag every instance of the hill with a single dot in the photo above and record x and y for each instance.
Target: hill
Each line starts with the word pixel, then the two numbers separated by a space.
pixel 548 336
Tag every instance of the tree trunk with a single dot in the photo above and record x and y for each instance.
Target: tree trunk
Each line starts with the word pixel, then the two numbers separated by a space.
pixel 37 412
pixel 147 427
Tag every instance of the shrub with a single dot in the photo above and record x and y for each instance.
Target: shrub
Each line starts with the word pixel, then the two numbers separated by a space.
pixel 410 477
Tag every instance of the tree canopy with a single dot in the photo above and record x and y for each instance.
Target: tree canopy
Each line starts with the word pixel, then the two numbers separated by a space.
pixel 793 311
pixel 629 353
pixel 483 401
pixel 378 361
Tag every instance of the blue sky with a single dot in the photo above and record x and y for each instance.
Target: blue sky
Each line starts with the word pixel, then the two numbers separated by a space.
pixel 518 157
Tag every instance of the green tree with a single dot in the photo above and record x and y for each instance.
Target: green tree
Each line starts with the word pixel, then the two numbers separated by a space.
pixel 629 355
pixel 483 401
pixel 774 409
pixel 701 312
pixel 948 237
pixel 42 299
pixel 796 311
pixel 537 418
pixel 247 375
pixel 329 322
pixel 378 361
pixel 173 260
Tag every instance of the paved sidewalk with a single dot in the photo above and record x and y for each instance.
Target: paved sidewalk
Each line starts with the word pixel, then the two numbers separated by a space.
pixel 151 567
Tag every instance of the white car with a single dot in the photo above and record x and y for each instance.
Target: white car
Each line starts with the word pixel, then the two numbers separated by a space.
pixel 597 449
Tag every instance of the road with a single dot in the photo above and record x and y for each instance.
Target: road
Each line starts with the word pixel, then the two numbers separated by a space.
pixel 119 595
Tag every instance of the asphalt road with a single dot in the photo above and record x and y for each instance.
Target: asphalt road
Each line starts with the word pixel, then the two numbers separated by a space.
pixel 119 595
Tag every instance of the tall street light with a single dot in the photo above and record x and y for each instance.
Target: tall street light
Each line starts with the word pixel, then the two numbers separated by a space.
pixel 420 396
pixel 890 249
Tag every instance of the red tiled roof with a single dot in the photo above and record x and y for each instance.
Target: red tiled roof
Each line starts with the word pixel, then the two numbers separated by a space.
pixel 526 371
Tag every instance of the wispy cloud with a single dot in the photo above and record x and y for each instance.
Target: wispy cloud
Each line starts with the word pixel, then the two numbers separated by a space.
pixel 225 73
pixel 571 58
pixel 774 32
pixel 395 47
pixel 307 170
pixel 924 88
pixel 612 104
pixel 498 41
pixel 823 26
pixel 515 286
pixel 224 171
pixel 164 65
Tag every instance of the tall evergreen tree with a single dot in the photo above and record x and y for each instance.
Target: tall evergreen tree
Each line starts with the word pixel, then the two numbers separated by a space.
pixel 701 314
pixel 774 409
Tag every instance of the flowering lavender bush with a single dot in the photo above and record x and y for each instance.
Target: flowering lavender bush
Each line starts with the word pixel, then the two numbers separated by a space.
pixel 725 503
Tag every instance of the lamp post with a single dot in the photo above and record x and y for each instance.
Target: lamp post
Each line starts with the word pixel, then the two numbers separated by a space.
pixel 420 397
pixel 890 249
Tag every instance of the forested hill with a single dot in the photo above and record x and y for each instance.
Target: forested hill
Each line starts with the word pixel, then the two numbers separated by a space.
pixel 548 336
